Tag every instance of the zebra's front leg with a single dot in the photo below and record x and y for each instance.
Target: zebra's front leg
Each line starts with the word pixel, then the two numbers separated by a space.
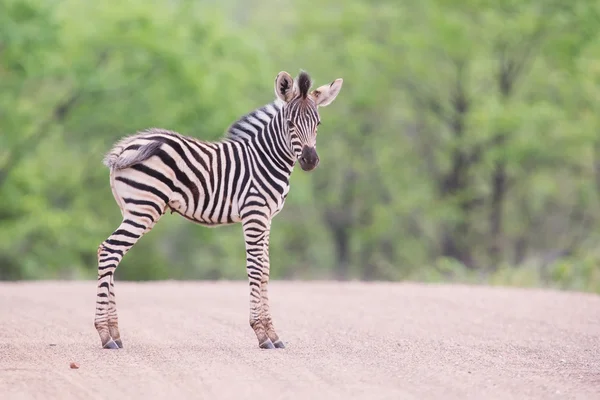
pixel 264 291
pixel 255 232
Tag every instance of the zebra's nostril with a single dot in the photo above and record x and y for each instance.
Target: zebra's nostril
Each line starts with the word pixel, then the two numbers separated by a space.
pixel 303 159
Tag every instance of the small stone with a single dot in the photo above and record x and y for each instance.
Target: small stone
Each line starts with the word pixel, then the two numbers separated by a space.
pixel 74 365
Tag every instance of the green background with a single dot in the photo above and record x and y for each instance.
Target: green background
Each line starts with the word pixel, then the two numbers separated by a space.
pixel 464 145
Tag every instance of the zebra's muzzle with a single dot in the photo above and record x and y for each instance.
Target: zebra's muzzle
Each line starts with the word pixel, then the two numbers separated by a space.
pixel 309 159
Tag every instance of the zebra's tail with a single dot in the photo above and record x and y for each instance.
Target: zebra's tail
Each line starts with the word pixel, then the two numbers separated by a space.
pixel 117 158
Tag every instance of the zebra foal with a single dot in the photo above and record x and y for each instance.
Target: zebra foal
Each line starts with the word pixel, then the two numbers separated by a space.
pixel 242 178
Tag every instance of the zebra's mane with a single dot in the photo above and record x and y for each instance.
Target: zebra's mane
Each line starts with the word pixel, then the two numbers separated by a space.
pixel 254 122
pixel 304 83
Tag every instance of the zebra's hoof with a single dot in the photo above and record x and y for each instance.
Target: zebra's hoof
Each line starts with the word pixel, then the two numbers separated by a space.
pixel 278 344
pixel 111 345
pixel 267 344
pixel 119 343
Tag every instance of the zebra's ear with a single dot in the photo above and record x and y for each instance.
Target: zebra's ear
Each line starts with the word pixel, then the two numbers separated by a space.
pixel 284 86
pixel 325 94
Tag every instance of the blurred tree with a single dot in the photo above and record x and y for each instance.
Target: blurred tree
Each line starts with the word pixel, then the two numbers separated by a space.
pixel 464 142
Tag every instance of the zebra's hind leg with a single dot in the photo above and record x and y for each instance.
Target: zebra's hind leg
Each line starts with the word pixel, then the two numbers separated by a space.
pixel 110 254
pixel 113 319
pixel 264 292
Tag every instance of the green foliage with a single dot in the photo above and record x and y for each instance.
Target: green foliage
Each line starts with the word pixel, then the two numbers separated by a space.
pixel 463 147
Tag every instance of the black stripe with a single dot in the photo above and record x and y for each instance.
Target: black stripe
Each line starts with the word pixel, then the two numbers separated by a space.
pixel 254 203
pixel 135 224
pixel 132 147
pixel 119 243
pixel 254 221
pixel 218 196
pixel 104 275
pixel 238 163
pixel 257 235
pixel 124 232
pixel 141 214
pixel 211 181
pixel 246 165
pixel 255 268
pixel 225 183
pixel 143 187
pixel 152 204
pixel 103 260
pixel 114 251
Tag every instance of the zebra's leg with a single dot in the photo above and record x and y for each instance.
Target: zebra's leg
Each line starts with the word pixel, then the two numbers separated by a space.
pixel 110 254
pixel 255 231
pixel 264 293
pixel 113 319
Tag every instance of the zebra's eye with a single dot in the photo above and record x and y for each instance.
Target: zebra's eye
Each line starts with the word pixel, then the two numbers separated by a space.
pixel 290 124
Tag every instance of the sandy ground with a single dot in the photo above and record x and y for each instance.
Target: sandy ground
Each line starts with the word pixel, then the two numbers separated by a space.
pixel 345 341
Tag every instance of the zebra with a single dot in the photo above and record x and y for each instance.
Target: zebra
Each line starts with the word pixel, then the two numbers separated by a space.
pixel 241 178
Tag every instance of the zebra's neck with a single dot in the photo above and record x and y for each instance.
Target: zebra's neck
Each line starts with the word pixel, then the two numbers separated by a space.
pixel 250 125
pixel 264 130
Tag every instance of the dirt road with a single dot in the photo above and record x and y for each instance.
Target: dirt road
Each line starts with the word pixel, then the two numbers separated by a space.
pixel 344 341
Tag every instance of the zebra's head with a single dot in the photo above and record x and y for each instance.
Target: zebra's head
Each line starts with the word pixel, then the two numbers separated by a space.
pixel 301 114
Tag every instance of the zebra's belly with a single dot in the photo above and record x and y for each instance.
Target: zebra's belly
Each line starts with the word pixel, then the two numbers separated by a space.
pixel 209 218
